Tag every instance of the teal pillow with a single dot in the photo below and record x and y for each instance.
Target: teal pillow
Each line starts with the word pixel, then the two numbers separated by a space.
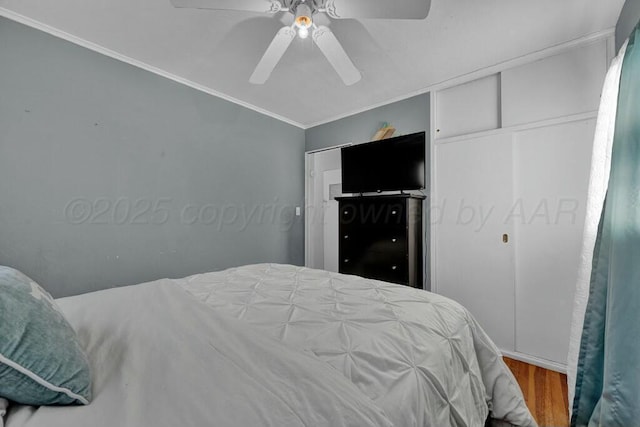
pixel 41 361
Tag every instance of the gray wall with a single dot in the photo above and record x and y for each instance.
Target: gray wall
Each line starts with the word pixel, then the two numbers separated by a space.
pixel 629 17
pixel 407 116
pixel 103 168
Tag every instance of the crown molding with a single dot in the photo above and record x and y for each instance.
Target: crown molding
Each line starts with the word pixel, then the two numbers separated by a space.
pixel 139 64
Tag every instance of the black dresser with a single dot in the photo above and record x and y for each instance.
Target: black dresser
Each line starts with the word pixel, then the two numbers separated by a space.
pixel 381 238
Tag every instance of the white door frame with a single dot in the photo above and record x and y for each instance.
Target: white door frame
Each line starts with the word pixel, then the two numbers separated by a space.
pixel 308 190
pixel 330 219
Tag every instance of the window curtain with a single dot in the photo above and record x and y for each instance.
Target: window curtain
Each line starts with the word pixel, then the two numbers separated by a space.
pixel 599 180
pixel 607 379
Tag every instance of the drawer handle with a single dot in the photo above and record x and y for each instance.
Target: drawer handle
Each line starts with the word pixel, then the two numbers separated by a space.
pixel 394 240
pixel 393 212
pixel 346 236
pixel 346 212
pixel 346 260
pixel 393 267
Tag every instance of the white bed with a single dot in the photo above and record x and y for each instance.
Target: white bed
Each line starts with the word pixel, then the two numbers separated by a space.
pixel 278 345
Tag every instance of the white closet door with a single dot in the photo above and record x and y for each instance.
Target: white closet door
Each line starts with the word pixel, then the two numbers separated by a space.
pixel 557 86
pixel 551 183
pixel 473 191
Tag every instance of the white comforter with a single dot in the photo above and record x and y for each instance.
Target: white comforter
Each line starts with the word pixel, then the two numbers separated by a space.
pixel 283 346
pixel 420 356
pixel 160 358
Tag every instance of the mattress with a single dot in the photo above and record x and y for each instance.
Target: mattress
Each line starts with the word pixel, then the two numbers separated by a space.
pixel 279 345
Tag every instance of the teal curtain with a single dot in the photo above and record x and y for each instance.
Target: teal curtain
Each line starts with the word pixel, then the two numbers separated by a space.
pixel 607 389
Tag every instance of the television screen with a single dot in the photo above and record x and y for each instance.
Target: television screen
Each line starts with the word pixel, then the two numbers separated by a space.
pixel 390 164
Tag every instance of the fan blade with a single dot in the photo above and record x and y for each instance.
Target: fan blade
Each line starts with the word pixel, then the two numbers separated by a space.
pixel 271 6
pixel 272 56
pixel 378 9
pixel 332 49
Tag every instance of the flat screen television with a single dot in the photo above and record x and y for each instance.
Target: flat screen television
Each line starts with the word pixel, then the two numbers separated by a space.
pixel 387 165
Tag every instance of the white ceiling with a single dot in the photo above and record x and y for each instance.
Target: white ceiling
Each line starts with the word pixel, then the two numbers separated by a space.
pixel 218 50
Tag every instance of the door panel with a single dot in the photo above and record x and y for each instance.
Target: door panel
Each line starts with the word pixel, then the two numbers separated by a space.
pixel 561 85
pixel 552 165
pixel 473 199
pixel 317 164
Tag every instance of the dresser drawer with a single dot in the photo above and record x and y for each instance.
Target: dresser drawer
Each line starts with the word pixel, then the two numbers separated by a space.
pixel 377 266
pixel 372 214
pixel 389 241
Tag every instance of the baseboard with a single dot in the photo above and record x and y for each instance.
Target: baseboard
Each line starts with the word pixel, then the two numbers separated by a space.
pixel 532 360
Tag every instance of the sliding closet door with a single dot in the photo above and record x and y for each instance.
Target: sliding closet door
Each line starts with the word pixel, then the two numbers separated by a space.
pixel 551 167
pixel 474 262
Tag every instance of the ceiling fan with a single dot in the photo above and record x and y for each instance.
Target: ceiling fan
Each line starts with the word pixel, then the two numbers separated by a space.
pixel 303 25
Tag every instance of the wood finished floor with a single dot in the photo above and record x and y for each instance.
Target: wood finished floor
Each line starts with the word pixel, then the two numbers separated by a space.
pixel 544 391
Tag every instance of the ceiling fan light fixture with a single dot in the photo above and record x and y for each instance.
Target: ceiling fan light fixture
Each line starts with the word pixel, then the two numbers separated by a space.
pixel 303 16
pixel 303 32
pixel 321 35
